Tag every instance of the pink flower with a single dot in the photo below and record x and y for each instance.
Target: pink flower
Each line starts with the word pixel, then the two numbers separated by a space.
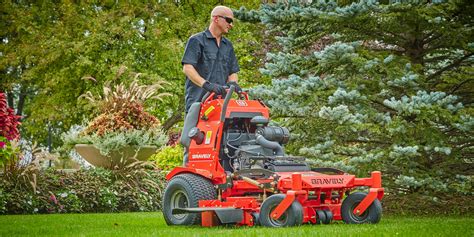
pixel 53 199
pixel 2 144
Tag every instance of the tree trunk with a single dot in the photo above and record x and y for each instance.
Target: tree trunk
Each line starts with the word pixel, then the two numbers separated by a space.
pixel 10 100
pixel 21 102
pixel 175 118
pixel 414 49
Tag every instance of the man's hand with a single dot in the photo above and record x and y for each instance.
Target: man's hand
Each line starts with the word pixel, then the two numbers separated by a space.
pixel 213 87
pixel 237 87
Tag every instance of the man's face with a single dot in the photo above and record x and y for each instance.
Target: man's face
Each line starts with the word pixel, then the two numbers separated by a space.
pixel 225 22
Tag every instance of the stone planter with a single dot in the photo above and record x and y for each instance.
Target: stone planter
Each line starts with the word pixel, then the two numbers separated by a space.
pixel 125 155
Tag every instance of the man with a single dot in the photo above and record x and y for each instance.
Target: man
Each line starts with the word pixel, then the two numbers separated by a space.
pixel 209 63
pixel 209 60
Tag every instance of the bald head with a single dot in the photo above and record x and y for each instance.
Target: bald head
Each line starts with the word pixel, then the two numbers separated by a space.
pixel 221 11
pixel 221 21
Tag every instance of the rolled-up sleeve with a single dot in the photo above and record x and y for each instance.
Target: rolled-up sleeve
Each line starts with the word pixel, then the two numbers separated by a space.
pixel 192 52
pixel 234 64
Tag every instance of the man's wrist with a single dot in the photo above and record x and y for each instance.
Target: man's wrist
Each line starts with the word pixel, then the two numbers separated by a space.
pixel 229 83
pixel 207 86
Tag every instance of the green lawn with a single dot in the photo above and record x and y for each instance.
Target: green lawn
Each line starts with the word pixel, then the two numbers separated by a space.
pixel 153 224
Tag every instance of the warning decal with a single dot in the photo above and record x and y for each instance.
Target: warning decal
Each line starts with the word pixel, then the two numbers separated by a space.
pixel 209 110
pixel 208 137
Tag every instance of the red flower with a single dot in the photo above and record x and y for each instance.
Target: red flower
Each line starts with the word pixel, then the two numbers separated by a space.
pixel 2 144
pixel 8 120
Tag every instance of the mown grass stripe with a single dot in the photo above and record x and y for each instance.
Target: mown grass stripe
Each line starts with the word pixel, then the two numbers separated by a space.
pixel 153 224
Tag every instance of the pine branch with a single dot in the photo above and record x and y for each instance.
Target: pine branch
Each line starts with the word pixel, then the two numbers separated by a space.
pixel 438 58
pixel 449 67
pixel 372 45
pixel 387 109
pixel 344 154
pixel 460 85
pixel 378 34
pixel 369 141
pixel 429 38
pixel 290 116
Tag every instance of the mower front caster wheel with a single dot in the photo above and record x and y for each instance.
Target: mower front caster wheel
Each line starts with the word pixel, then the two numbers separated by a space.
pixel 323 216
pixel 371 215
pixel 291 217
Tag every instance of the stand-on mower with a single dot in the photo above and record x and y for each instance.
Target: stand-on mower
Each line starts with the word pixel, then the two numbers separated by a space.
pixel 236 172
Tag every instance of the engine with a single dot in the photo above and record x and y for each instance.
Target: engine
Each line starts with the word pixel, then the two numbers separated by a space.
pixel 251 144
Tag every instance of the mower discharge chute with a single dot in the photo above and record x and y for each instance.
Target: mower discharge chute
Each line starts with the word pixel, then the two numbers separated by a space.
pixel 236 172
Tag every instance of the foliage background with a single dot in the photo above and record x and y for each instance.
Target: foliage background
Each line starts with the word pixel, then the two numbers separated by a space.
pixel 362 86
pixel 376 86
pixel 52 52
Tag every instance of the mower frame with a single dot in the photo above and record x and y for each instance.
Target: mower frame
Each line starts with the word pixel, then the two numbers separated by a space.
pixel 306 196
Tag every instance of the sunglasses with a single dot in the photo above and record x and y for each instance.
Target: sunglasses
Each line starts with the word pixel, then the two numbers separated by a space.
pixel 227 19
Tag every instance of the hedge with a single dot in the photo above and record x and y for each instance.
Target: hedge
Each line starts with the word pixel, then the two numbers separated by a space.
pixel 30 190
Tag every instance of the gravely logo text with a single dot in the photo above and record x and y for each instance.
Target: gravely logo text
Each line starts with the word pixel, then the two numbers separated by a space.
pixel 327 181
pixel 201 156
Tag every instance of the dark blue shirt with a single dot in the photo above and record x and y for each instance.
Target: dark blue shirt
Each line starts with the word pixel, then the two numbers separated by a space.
pixel 213 63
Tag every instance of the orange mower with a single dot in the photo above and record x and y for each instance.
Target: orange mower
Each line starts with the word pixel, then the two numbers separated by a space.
pixel 236 172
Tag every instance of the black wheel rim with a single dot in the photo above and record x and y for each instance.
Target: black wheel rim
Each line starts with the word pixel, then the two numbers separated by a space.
pixel 179 199
pixel 358 218
pixel 280 221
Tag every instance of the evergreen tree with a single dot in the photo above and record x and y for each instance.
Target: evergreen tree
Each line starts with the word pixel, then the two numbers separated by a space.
pixel 370 86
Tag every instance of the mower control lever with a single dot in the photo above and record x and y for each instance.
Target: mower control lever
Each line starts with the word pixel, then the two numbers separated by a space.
pixel 226 102
pixel 243 95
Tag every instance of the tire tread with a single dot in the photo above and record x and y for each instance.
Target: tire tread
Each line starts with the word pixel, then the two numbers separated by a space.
pixel 200 189
pixel 374 210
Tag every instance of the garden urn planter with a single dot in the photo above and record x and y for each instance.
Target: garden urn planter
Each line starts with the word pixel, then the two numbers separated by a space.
pixel 125 155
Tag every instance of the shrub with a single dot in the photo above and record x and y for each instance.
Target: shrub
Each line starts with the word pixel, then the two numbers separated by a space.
pixel 169 157
pixel 4 196
pixel 137 187
pixel 122 108
pixel 9 152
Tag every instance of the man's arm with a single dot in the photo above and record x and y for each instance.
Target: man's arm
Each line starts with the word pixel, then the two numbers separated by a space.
pixel 233 77
pixel 193 75
pixel 233 67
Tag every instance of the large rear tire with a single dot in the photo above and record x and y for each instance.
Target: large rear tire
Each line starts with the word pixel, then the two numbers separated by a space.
pixel 183 191
pixel 371 215
pixel 292 216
